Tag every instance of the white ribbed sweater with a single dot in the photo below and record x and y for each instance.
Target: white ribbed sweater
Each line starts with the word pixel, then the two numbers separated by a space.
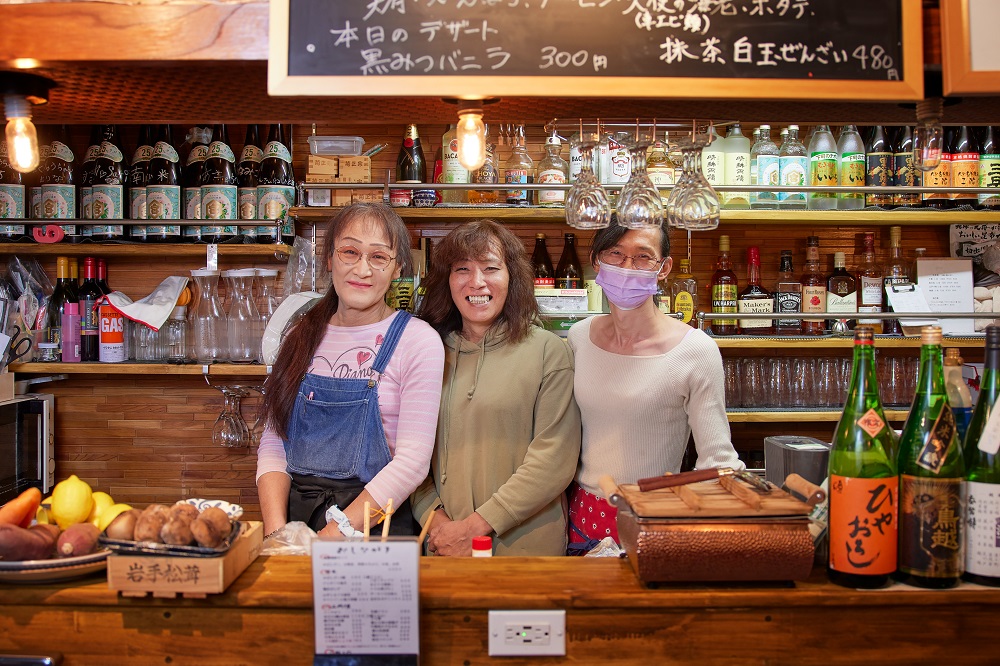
pixel 638 411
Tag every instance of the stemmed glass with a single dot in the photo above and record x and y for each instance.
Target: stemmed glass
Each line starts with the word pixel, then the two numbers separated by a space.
pixel 587 205
pixel 699 209
pixel 639 203
pixel 230 430
pixel 672 206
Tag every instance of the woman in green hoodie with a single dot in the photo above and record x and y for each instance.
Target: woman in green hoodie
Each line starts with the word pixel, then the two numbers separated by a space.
pixel 508 436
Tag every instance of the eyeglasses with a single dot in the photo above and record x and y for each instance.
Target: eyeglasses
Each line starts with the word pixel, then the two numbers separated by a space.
pixel 641 261
pixel 351 255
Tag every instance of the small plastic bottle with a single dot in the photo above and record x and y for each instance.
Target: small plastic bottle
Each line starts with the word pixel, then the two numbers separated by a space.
pixel 71 333
pixel 482 546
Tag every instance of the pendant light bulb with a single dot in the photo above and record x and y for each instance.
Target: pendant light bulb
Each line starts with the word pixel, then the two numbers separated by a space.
pixel 928 136
pixel 471 138
pixel 22 139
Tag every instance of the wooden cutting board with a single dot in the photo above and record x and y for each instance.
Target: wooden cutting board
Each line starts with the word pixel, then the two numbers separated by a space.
pixel 714 500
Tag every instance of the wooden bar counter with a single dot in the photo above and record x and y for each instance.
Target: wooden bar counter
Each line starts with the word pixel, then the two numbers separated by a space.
pixel 266 617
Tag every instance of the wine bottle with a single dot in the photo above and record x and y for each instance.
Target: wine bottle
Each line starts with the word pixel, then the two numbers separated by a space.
pixel 163 189
pixel 59 184
pixel 275 186
pixel 410 166
pixel 982 550
pixel 724 291
pixel 56 307
pixel 89 294
pixel 110 177
pixel 931 469
pixel 138 179
pixel 545 275
pixel 754 298
pixel 568 272
pixel 102 276
pixel 218 188
pixel 863 480
pixel 247 173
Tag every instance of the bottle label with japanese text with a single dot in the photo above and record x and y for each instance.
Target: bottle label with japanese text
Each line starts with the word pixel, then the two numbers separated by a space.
pixel 58 201
pixel 163 202
pixel 939 177
pixel 964 172
pixel 60 150
pixel 813 300
pixel 792 173
pixel 767 174
pixel 724 302
pixel 197 154
pixel 823 173
pixel 218 202
pixel 930 526
pixel 137 203
pixel 165 151
pixel 277 149
pixel 989 176
pixel 863 522
pixel 852 174
pixel 713 165
pixel 107 202
pixel 36 202
pixel 192 203
pixel 982 522
pixel 12 202
pixel 222 150
pixel 938 441
pixel 273 203
pixel 737 173
pixel 246 200
pixel 110 151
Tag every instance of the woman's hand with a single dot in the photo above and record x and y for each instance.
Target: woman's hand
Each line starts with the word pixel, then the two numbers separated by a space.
pixel 454 538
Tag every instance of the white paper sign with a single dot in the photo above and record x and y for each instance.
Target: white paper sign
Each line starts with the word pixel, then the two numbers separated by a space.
pixel 989 441
pixel 365 596
pixel 909 298
pixel 947 286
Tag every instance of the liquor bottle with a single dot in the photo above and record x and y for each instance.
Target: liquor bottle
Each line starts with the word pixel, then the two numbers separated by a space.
pixel 823 172
pixel 767 154
pixel 218 188
pixel 410 166
pixel 247 172
pixel 89 294
pixel 939 177
pixel 737 170
pixel 34 186
pixel 870 287
pixel 163 189
pixel 754 298
pixel 488 174
pixel 102 276
pixel 568 272
pixel 13 198
pixel 58 180
pixel 879 167
pixel 616 161
pixel 989 166
pixel 684 294
pixel 438 174
pixel 931 469
pixel 841 290
pixel 194 166
pixel 73 286
pixel 851 167
pixel 787 296
pixel 959 396
pixel 725 289
pixel 275 187
pixel 813 289
pixel 662 296
pixel 86 189
pixel 576 159
pixel 713 160
pixel 109 200
pixel 56 307
pixel 897 271
pixel 138 179
pixel 793 170
pixel 452 169
pixel 519 169
pixel 982 485
pixel 904 171
pixel 545 276
pixel 863 480
pixel 555 170
pixel 964 166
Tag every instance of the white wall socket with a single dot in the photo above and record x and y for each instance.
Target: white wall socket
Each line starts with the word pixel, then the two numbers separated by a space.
pixel 527 633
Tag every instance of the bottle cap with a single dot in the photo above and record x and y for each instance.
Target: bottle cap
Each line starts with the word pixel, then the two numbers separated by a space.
pixel 864 335
pixel 930 335
pixel 839 259
pixel 953 356
pixel 179 312
pixel 72 308
pixel 724 243
pixel 482 543
pixel 552 141
pixel 993 336
pixel 541 236
pixel 753 255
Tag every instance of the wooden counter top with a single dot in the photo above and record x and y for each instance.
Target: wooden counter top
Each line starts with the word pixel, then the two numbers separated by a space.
pixel 266 617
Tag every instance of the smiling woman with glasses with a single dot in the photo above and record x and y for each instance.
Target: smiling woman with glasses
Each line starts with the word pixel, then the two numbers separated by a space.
pixel 322 446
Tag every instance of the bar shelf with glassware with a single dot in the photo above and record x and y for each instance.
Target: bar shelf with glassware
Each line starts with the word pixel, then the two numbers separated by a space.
pixel 213 370
pixel 779 415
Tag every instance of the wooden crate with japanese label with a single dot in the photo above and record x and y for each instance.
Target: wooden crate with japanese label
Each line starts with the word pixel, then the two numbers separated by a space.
pixel 193 577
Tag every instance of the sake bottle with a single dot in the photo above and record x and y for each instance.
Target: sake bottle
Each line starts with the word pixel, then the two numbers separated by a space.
pixel 863 480
pixel 218 188
pixel 13 198
pixel 275 186
pixel 86 189
pixel 736 167
pixel 823 157
pixel 982 485
pixel 247 172
pixel 163 189
pixel 931 471
pixel 191 180
pixel 59 181
pixel 851 162
pixel 138 180
pixel 109 183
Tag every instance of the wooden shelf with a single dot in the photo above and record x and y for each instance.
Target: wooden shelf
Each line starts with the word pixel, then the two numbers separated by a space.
pixel 815 416
pixel 276 251
pixel 214 370
pixel 837 343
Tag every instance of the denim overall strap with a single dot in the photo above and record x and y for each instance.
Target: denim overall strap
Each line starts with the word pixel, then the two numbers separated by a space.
pixel 390 341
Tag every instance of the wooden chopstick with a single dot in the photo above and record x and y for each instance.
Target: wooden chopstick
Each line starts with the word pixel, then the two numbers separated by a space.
pixel 388 518
pixel 426 527
pixel 368 519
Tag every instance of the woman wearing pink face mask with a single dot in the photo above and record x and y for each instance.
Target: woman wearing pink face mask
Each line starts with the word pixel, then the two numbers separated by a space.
pixel 645 382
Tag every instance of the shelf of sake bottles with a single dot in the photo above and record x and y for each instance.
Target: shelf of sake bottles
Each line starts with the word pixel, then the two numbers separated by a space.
pixel 801 343
pixel 213 370
pixel 803 416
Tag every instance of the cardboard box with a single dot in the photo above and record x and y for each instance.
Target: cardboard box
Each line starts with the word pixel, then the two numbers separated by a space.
pixel 324 165
pixel 170 575
pixel 339 169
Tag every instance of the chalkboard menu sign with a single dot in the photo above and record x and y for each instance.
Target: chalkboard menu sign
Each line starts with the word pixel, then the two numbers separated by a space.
pixel 868 49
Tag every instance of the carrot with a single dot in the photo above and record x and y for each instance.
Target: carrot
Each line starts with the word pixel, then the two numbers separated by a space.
pixel 21 510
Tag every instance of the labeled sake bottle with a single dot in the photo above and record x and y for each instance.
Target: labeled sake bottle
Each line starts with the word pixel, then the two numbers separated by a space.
pixel 163 189
pixel 982 485
pixel 58 180
pixel 275 186
pixel 905 173
pixel 989 167
pixel 931 471
pixel 879 166
pixel 86 189
pixel 964 166
pixel 138 178
pixel 13 199
pixel 864 484
pixel 194 166
pixel 108 199
pixel 737 168
pixel 851 161
pixel 34 186
pixel 247 172
pixel 823 168
pixel 218 188
pixel 940 177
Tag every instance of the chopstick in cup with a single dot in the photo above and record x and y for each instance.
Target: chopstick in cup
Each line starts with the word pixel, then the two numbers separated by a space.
pixel 388 518
pixel 368 519
pixel 426 528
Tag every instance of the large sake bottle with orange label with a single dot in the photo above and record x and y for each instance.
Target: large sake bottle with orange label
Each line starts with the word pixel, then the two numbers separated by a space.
pixel 864 485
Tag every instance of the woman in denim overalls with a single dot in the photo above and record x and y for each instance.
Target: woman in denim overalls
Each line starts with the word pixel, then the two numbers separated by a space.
pixel 352 400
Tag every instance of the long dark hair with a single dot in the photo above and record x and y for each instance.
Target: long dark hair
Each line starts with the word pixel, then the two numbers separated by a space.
pixel 299 346
pixel 473 241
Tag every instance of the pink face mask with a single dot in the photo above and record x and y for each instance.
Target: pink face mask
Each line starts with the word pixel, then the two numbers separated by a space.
pixel 626 288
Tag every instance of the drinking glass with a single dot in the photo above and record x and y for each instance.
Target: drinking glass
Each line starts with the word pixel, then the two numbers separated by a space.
pixel 731 371
pixel 804 380
pixel 700 208
pixel 639 203
pixel 779 383
pixel 674 201
pixel 230 430
pixel 587 204
pixel 754 385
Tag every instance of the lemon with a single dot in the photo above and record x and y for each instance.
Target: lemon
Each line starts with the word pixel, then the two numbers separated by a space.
pixel 72 501
pixel 109 514
pixel 101 503
pixel 42 515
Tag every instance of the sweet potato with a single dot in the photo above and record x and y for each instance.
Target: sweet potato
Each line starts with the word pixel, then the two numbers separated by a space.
pixel 21 510
pixel 18 544
pixel 79 539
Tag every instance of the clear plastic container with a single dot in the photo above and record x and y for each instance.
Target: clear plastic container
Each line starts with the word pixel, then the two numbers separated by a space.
pixel 335 145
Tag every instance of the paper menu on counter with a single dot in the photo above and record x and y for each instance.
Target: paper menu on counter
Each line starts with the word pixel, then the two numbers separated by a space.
pixel 365 597
pixel 947 286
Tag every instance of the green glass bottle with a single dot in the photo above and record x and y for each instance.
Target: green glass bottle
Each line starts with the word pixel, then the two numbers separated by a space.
pixel 982 486
pixel 931 471
pixel 863 480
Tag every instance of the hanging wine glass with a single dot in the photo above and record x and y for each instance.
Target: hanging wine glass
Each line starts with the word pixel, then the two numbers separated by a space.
pixel 587 205
pixel 675 200
pixel 639 202
pixel 700 209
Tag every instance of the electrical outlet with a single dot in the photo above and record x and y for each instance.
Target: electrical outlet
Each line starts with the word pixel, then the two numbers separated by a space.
pixel 527 633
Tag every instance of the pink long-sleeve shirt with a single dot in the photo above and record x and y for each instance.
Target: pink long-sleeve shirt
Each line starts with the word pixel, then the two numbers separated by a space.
pixel 409 396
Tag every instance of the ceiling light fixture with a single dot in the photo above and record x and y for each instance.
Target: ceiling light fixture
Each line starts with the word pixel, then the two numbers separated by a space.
pixel 21 91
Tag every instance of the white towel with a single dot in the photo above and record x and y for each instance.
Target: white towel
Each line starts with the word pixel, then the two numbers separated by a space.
pixel 153 310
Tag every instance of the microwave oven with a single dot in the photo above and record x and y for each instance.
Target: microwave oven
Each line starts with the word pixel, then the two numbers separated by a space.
pixel 27 451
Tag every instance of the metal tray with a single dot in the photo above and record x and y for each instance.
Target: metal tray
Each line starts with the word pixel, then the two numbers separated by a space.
pixel 151 548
